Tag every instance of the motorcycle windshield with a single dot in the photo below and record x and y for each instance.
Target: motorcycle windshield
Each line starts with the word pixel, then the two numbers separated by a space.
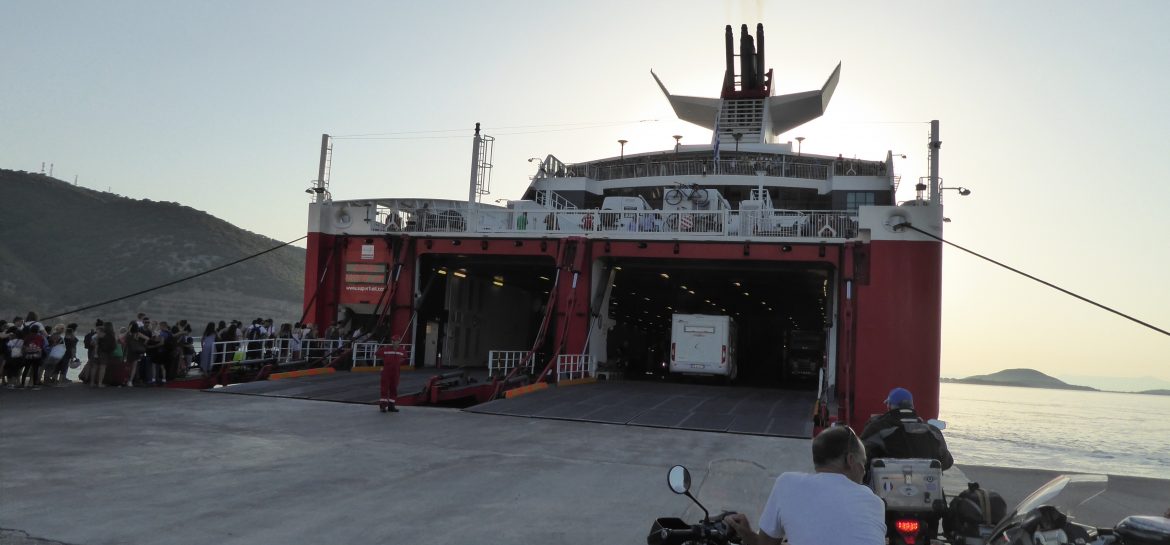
pixel 731 484
pixel 1066 493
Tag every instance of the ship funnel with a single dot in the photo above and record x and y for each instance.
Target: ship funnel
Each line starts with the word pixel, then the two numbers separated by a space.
pixel 760 68
pixel 753 82
pixel 754 79
pixel 729 72
pixel 747 60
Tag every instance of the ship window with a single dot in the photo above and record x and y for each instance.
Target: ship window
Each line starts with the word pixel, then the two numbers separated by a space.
pixel 860 198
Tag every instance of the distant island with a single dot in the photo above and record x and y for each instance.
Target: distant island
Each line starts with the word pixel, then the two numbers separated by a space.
pixel 1027 378
pixel 1031 378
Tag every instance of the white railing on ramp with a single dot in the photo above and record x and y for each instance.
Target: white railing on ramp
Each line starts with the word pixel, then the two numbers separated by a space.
pixel 576 366
pixel 501 362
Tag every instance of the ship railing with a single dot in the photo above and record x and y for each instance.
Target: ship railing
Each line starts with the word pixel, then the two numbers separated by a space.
pixel 368 354
pixel 796 223
pixel 857 167
pixel 819 224
pixel 550 167
pixel 551 199
pixel 779 167
pixel 501 362
pixel 284 350
pixel 515 221
pixel 785 169
pixel 745 223
pixel 320 348
pixel 242 351
pixel 576 366
pixel 365 354
pixel 419 215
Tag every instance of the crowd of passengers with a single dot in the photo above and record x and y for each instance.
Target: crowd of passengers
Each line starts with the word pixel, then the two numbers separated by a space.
pixel 147 353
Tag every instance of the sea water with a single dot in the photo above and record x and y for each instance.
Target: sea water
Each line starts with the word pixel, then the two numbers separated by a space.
pixel 1061 430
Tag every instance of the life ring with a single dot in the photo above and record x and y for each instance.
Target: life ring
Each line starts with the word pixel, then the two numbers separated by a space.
pixel 587 221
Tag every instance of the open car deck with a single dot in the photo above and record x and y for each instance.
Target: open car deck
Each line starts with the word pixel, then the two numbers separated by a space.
pixel 757 411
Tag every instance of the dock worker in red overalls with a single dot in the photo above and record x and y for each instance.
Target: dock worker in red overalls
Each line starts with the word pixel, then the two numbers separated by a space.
pixel 392 359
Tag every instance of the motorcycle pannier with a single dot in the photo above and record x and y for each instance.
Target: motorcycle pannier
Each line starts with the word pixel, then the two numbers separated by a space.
pixel 907 484
pixel 1143 530
pixel 973 514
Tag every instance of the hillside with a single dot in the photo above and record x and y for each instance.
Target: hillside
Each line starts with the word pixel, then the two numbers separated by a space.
pixel 65 246
pixel 1029 378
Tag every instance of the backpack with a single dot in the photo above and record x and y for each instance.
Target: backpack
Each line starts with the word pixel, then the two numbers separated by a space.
pixel 910 438
pixel 33 350
pixel 105 344
pixel 170 345
pixel 88 341
pixel 16 348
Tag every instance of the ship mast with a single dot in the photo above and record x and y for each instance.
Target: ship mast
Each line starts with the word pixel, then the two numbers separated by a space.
pixel 481 166
pixel 935 144
pixel 322 187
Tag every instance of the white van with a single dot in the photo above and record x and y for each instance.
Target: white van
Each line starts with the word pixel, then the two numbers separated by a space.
pixel 695 210
pixel 703 344
pixel 628 214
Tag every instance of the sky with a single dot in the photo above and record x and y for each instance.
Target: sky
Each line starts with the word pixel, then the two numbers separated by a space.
pixel 1053 113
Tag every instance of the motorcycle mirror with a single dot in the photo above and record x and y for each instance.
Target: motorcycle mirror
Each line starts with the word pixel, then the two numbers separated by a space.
pixel 937 423
pixel 679 479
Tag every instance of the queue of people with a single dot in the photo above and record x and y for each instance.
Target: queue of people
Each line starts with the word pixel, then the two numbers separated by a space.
pixel 261 340
pixel 32 356
pixel 140 353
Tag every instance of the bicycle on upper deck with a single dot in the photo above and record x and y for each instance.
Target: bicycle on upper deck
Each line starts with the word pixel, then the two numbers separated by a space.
pixel 692 193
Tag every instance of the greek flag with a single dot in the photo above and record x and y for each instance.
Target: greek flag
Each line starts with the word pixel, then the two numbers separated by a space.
pixel 717 144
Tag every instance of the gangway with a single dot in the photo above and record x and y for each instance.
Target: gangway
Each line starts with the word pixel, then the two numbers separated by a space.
pixel 507 369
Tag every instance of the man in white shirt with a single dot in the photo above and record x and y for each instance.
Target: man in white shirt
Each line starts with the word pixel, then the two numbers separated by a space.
pixel 829 506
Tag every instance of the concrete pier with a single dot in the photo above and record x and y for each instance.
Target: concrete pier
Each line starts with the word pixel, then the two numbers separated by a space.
pixel 151 465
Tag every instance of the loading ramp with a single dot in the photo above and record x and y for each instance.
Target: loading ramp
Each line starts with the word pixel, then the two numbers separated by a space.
pixel 756 411
pixel 417 387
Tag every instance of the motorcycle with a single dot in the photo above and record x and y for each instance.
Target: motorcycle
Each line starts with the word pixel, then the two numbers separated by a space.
pixel 911 489
pixel 1045 518
pixel 729 483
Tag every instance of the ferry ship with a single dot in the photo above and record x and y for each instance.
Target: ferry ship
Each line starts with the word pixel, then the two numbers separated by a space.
pixel 835 297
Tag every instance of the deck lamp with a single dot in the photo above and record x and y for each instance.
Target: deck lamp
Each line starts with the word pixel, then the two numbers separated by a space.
pixel 962 190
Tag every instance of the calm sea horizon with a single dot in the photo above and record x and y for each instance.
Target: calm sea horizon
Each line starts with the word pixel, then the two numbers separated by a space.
pixel 1061 430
